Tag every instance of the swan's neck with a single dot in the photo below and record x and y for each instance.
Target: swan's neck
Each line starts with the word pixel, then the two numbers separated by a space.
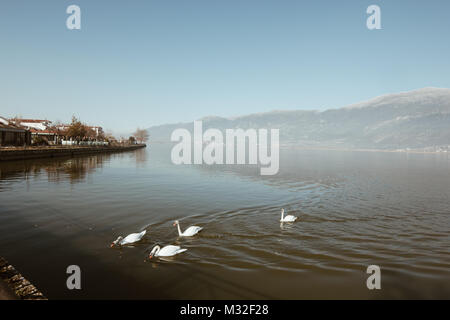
pixel 282 214
pixel 157 250
pixel 179 230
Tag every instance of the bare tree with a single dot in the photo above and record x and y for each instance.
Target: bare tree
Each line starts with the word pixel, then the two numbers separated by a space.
pixel 76 130
pixel 141 135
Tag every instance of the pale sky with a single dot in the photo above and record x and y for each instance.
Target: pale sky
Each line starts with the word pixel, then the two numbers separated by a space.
pixel 143 63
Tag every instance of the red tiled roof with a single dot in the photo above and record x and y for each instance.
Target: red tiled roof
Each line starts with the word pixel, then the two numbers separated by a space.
pixel 30 120
pixel 43 131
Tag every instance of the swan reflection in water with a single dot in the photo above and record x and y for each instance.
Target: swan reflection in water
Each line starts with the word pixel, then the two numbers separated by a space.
pixel 286 226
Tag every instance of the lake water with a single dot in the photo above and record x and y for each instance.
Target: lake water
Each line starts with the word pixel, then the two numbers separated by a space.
pixel 355 209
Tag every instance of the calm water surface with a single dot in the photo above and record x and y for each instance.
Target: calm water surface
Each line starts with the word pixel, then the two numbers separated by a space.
pixel 355 209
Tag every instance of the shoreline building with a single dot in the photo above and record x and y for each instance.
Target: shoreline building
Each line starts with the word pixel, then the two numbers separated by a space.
pixel 43 132
pixel 12 134
pixel 40 129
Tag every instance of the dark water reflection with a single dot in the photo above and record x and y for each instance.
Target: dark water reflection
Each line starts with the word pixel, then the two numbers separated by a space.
pixel 354 208
pixel 72 169
pixel 75 169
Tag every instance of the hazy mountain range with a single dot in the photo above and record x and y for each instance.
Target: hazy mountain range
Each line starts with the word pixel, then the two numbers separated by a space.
pixel 414 119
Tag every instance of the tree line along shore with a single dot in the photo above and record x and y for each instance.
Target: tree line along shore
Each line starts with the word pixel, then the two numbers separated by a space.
pixel 20 132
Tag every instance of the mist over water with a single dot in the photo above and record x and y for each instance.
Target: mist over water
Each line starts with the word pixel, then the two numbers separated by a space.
pixel 355 209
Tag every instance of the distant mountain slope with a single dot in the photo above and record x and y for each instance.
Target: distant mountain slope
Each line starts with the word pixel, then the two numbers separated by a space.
pixel 414 119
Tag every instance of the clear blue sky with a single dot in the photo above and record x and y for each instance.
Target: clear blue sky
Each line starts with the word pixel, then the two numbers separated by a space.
pixel 142 63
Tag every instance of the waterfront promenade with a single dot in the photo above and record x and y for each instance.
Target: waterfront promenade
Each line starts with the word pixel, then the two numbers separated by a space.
pixel 24 153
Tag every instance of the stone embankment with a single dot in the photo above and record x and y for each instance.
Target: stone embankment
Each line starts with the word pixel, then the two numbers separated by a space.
pixel 24 153
pixel 13 286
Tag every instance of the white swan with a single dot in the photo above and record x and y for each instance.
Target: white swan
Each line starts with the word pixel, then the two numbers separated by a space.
pixel 167 251
pixel 189 232
pixel 288 218
pixel 131 238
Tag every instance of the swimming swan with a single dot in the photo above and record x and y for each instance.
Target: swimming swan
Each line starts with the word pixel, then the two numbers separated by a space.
pixel 288 218
pixel 167 251
pixel 131 238
pixel 189 232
